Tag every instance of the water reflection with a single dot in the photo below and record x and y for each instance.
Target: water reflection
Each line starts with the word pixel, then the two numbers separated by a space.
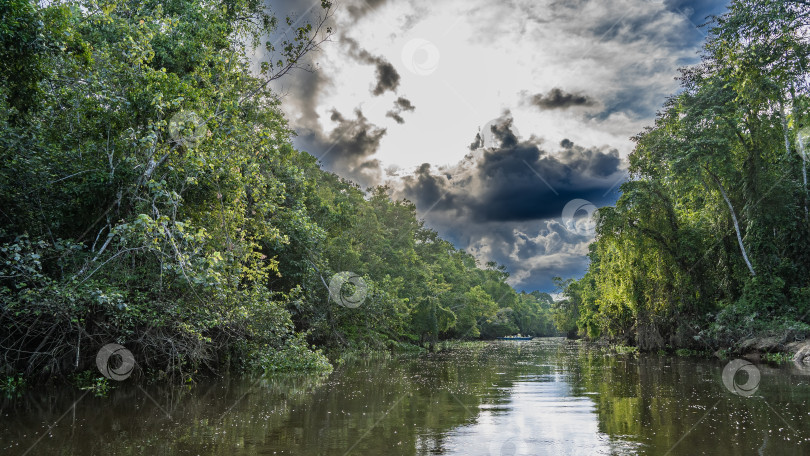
pixel 507 398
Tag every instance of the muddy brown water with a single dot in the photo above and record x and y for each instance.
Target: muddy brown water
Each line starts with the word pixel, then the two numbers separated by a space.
pixel 541 397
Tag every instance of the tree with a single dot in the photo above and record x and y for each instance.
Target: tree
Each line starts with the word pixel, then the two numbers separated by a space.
pixel 709 241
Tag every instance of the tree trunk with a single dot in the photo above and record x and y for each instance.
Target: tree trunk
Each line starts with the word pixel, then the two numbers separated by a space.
pixel 800 149
pixel 785 129
pixel 736 223
pixel 803 154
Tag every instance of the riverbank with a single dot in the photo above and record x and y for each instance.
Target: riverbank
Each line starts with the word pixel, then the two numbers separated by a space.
pixel 764 348
pixel 770 347
pixel 102 383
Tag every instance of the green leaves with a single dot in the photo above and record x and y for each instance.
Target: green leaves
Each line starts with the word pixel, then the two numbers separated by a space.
pixel 716 182
pixel 152 197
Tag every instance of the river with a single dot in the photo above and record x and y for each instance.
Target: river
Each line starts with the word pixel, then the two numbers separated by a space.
pixel 542 397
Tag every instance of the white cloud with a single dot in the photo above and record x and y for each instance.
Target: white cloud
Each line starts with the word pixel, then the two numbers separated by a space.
pixel 485 58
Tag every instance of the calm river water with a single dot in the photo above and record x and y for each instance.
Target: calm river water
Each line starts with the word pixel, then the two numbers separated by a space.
pixel 543 397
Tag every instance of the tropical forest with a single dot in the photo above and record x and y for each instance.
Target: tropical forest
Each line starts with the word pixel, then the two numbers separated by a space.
pixel 185 269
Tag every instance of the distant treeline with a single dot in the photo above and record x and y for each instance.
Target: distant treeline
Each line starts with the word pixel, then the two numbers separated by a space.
pixel 709 243
pixel 150 196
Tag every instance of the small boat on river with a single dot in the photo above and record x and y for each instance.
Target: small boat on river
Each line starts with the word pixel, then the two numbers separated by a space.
pixel 518 337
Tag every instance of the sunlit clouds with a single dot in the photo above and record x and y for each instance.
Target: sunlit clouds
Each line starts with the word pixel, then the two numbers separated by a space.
pixel 407 94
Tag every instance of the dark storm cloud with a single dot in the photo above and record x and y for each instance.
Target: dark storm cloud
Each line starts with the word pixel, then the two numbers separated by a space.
pixel 503 132
pixel 505 203
pixel 478 142
pixel 360 8
pixel 401 104
pixel 498 133
pixel 557 98
pixel 428 190
pixel 528 183
pixel 520 180
pixel 307 90
pixel 348 148
pixel 395 115
pixel 387 75
pixel 404 104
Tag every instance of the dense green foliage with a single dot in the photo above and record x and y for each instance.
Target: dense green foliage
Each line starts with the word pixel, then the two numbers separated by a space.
pixel 150 196
pixel 710 241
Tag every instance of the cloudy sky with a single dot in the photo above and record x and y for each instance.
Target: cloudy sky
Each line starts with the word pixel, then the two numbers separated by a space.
pixel 505 122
